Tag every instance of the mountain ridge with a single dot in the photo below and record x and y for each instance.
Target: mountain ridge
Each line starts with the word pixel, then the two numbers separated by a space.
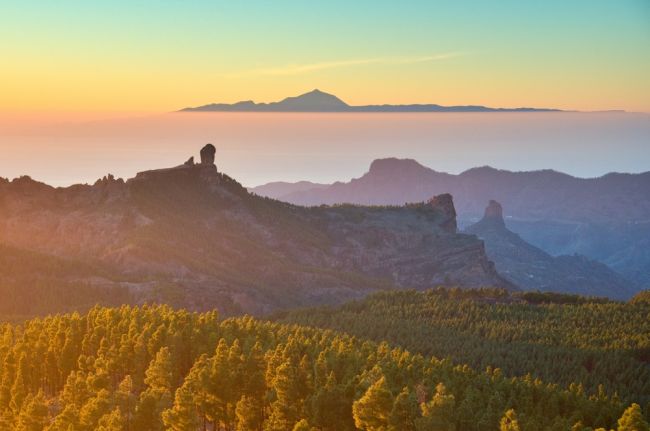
pixel 606 218
pixel 194 237
pixel 319 101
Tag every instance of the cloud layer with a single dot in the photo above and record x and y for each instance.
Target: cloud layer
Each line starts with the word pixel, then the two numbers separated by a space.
pixel 298 69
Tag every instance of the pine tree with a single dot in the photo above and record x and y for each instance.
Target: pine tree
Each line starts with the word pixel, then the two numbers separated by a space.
pixel 250 413
pixel 67 419
pixel 126 401
pixel 372 411
pixel 94 409
pixel 301 425
pixel 509 421
pixel 8 377
pixel 439 412
pixel 286 408
pixel 632 420
pixel 326 404
pixel 18 392
pixel 182 416
pixel 113 421
pixel 218 390
pixel 160 371
pixel 34 414
pixel 404 413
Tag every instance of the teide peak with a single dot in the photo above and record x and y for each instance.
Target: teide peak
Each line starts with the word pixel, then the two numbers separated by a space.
pixel 193 236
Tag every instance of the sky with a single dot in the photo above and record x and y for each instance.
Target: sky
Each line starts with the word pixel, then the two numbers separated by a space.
pixel 123 57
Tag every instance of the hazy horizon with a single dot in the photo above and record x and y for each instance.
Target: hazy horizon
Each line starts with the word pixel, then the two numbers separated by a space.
pixel 256 148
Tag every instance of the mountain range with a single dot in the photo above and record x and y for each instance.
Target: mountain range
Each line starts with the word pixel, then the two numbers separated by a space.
pixel 192 236
pixel 319 101
pixel 605 218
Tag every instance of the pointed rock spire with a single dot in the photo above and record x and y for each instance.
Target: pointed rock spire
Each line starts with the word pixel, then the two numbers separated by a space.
pixel 494 214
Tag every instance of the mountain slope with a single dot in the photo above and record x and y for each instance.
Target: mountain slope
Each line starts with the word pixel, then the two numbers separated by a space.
pixel 193 236
pixel 533 269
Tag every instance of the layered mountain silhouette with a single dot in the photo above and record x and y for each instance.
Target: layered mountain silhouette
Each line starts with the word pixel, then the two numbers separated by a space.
pixel 605 218
pixel 533 269
pixel 194 237
pixel 318 101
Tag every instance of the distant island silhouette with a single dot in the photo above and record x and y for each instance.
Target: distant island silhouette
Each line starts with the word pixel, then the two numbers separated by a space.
pixel 319 101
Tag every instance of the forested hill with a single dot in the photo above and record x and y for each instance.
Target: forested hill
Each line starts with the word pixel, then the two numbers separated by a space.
pixel 153 368
pixel 560 338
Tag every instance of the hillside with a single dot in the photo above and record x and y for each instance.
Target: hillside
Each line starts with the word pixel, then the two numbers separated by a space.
pixel 558 338
pixel 605 218
pixel 33 283
pixel 153 368
pixel 533 269
pixel 192 236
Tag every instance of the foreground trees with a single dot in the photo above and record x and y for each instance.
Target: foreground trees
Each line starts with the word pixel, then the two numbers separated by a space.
pixel 152 368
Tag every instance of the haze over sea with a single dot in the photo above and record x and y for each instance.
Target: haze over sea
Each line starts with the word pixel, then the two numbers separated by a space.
pixel 256 148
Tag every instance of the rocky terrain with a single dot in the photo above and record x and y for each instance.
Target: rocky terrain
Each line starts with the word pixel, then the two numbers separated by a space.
pixel 192 236
pixel 533 269
pixel 605 218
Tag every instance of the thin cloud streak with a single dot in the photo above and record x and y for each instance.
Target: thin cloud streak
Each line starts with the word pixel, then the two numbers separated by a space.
pixel 297 69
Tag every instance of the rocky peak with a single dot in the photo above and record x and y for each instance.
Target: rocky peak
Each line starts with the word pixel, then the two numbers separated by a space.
pixel 444 204
pixel 207 154
pixel 108 179
pixel 493 214
pixel 393 166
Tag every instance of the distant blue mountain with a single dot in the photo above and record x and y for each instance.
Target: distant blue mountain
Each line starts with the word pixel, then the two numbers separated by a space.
pixel 318 101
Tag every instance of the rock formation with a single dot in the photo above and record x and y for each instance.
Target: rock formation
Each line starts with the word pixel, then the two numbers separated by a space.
pixel 494 214
pixel 533 269
pixel 444 204
pixel 207 154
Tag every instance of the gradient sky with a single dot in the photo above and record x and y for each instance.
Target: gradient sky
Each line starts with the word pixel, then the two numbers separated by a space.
pixel 159 56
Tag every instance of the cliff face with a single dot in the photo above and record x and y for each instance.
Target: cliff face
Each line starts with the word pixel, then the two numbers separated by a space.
pixel 533 269
pixel 201 235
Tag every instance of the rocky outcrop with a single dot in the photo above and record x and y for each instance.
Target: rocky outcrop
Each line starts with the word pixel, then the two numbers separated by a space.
pixel 444 205
pixel 207 154
pixel 494 214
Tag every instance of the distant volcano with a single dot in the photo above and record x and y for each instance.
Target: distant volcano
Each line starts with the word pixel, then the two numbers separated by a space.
pixel 318 101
